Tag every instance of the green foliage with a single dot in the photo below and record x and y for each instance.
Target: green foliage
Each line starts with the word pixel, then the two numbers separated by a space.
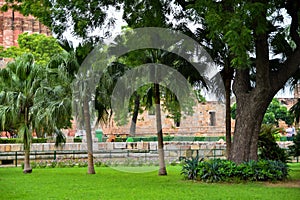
pixel 225 170
pixel 42 164
pixel 53 164
pixel 263 170
pixel 276 111
pixel 294 150
pixel 82 163
pixel 217 170
pixel 267 146
pixel 18 140
pixel 42 47
pixel 77 139
pixel 190 169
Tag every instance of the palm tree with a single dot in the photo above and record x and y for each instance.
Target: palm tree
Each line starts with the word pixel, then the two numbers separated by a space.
pixel 31 101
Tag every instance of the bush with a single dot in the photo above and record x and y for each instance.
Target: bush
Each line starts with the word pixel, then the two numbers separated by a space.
pixel 33 164
pixel 42 164
pixel 53 164
pixel 61 164
pixel 9 141
pixel 98 163
pixel 217 170
pixel 39 140
pixel 70 163
pixel 267 146
pixel 224 170
pixel 77 139
pixel 295 148
pixel 82 163
pixel 191 169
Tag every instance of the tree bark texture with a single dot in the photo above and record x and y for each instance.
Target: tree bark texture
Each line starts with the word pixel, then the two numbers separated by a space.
pixel 27 168
pixel 161 154
pixel 135 114
pixel 91 169
pixel 27 142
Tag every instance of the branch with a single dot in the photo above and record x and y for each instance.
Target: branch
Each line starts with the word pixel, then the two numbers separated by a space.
pixel 287 70
pixel 184 3
pixel 293 8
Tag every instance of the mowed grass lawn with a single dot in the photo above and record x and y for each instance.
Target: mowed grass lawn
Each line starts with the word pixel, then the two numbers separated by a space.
pixel 75 183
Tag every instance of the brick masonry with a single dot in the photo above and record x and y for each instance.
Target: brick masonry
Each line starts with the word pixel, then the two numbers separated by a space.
pixel 12 23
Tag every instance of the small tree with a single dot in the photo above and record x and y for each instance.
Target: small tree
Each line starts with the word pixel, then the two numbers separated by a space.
pixel 32 98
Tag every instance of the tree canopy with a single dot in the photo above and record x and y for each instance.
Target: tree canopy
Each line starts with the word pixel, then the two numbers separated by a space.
pixel 261 39
pixel 42 47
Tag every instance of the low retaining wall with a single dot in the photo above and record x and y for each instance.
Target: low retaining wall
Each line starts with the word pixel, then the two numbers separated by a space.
pixel 174 151
pixel 109 146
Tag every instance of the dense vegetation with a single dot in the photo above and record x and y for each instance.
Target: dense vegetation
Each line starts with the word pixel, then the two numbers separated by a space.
pixel 225 170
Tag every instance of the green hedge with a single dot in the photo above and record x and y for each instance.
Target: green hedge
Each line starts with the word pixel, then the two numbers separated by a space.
pixel 77 139
pixel 177 138
pixel 18 140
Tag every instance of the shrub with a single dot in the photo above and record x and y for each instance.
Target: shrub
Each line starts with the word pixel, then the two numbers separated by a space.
pixel 39 140
pixel 53 164
pixel 217 170
pixel 191 169
pixel 295 148
pixel 77 139
pixel 98 163
pixel 82 163
pixel 268 148
pixel 33 164
pixel 70 163
pixel 224 170
pixel 42 164
pixel 61 164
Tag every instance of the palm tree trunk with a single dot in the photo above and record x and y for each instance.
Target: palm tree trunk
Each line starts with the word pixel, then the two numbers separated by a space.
pixel 161 154
pixel 135 114
pixel 27 168
pixel 26 142
pixel 91 169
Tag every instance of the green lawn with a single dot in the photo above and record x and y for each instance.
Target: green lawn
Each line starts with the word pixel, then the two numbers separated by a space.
pixel 75 183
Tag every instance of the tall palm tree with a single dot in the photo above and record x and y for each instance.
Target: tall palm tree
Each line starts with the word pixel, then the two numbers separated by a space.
pixel 31 101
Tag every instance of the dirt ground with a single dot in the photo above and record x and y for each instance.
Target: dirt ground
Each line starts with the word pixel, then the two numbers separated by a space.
pixel 289 184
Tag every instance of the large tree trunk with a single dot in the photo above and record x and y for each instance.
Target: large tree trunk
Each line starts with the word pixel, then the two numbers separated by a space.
pixel 161 154
pixel 91 169
pixel 249 115
pixel 135 114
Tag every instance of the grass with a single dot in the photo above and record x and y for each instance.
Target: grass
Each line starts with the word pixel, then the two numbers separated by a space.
pixel 75 183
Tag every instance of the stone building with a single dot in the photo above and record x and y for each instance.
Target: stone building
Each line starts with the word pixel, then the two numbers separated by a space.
pixel 208 119
pixel 12 24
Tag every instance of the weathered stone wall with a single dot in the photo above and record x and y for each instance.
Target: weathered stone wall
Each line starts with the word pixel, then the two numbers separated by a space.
pixel 201 123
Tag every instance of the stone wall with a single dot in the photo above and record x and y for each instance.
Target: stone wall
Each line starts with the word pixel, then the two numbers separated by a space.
pixel 174 151
pixel 200 123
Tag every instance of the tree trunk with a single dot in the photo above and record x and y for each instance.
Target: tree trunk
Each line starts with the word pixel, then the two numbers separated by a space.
pixel 27 167
pixel 135 114
pixel 91 169
pixel 161 154
pixel 251 107
pixel 228 116
pixel 26 142
pixel 227 76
